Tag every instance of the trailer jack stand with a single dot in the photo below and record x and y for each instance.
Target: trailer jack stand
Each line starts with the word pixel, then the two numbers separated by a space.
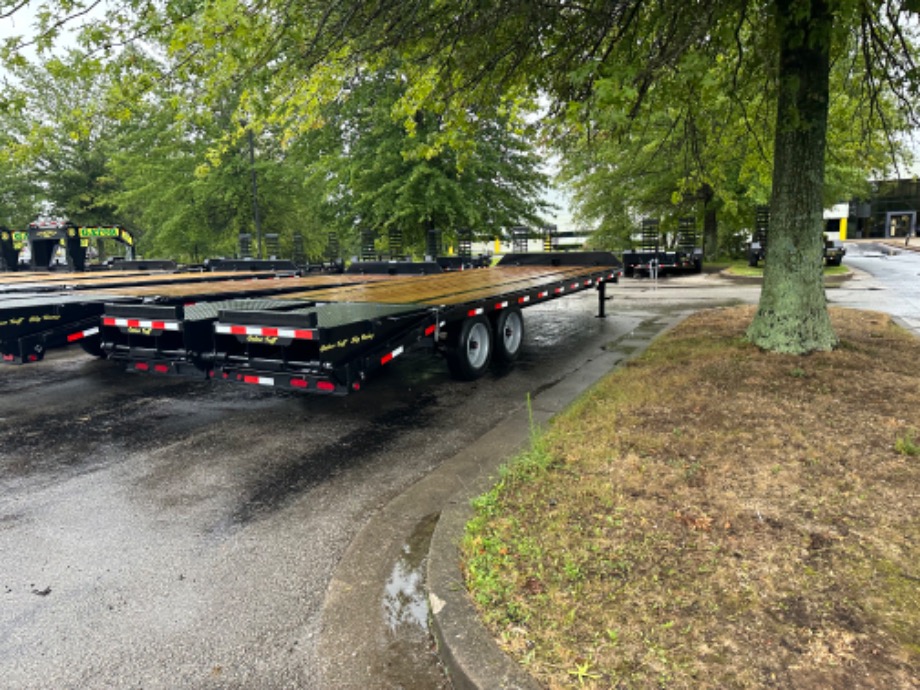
pixel 601 298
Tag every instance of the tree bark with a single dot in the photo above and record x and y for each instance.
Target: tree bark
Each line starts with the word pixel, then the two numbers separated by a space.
pixel 792 316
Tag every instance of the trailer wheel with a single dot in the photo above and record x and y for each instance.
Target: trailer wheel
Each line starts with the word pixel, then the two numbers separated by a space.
pixel 469 354
pixel 509 335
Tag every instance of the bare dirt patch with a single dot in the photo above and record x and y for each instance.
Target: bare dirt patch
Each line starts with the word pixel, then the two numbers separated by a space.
pixel 716 516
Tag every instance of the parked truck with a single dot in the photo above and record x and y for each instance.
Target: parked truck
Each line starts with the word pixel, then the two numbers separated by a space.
pixel 834 251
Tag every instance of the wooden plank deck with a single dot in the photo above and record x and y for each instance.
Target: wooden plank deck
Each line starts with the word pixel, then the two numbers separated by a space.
pixel 242 286
pixel 87 282
pixel 451 288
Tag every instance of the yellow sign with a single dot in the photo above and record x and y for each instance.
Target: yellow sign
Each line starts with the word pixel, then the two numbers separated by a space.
pixel 843 229
pixel 111 232
pixel 90 233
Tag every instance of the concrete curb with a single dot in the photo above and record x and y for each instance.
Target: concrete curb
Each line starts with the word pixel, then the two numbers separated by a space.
pixel 466 648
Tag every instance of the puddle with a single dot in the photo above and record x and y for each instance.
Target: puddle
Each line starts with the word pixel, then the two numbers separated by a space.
pixel 409 660
pixel 405 600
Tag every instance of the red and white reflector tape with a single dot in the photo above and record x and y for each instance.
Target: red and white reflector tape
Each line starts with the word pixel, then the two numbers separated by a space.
pixel 74 337
pixel 501 305
pixel 524 300
pixel 141 323
pixel 475 312
pixel 266 331
pixel 259 380
pixel 390 356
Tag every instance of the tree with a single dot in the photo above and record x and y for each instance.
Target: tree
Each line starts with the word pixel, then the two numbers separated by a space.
pixel 60 142
pixel 702 142
pixel 383 174
pixel 20 196
pixel 568 49
pixel 290 59
pixel 192 206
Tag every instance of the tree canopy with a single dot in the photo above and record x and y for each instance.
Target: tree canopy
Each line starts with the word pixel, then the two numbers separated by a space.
pixel 178 173
pixel 608 68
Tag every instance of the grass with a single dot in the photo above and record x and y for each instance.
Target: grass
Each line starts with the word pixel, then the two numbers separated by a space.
pixel 713 516
pixel 741 269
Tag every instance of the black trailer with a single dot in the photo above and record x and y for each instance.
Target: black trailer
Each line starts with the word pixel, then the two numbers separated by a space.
pixel 30 325
pixel 331 341
pixel 46 311
pixel 654 258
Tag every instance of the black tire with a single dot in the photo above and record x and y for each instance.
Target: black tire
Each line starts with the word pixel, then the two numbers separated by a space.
pixel 470 351
pixel 509 335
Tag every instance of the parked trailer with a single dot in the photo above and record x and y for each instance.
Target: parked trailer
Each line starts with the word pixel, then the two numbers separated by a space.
pixel 33 322
pixel 332 341
pixel 652 259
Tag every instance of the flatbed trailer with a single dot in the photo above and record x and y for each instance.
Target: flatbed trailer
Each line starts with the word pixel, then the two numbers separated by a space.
pixel 331 341
pixel 51 282
pixel 31 323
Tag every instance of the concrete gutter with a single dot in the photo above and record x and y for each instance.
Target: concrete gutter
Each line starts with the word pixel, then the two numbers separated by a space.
pixel 466 648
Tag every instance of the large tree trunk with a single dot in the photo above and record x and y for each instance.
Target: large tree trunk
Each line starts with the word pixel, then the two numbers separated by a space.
pixel 792 316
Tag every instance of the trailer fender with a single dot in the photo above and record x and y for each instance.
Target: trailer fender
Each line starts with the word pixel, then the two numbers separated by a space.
pixel 469 351
pixel 508 326
pixel 92 344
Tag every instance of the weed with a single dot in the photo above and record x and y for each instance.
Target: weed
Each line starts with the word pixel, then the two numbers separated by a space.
pixel 582 672
pixel 572 570
pixel 907 445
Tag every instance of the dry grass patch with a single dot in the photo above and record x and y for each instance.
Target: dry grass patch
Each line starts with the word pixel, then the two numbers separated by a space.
pixel 714 516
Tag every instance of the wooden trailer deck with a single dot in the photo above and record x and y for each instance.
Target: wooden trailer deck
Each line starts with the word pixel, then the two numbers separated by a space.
pixel 451 288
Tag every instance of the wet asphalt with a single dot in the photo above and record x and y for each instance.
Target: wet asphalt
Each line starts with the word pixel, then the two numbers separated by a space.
pixel 162 533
